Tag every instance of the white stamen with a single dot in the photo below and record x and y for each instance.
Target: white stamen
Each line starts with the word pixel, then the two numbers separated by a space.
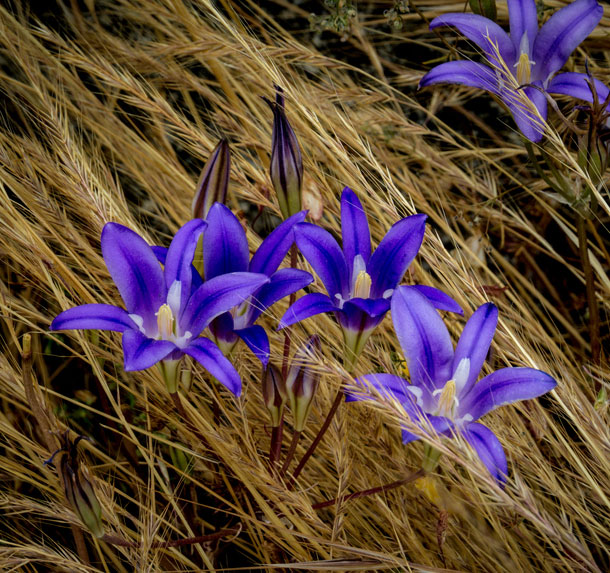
pixel 387 293
pixel 460 376
pixel 173 297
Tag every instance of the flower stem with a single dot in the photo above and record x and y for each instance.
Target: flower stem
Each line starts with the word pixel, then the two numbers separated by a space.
pixel 291 451
pixel 590 289
pixel 371 491
pixel 317 439
pixel 275 448
pixel 119 541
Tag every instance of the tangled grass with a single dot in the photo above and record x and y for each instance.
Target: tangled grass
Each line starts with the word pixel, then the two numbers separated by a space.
pixel 108 115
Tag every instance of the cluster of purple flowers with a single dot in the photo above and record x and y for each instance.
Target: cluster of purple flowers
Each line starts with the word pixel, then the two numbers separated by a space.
pixel 171 311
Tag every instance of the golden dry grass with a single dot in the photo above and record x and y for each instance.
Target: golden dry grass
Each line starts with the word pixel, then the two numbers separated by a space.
pixel 110 120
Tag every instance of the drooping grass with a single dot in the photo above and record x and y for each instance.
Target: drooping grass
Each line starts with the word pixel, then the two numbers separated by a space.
pixel 108 115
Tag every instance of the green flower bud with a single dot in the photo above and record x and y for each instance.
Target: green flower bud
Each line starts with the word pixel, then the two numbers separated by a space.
pixel 213 182
pixel 78 487
pixel 286 168
pixel 302 382
pixel 274 394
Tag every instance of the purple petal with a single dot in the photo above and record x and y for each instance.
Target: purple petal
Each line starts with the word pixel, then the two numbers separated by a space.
pixel 372 307
pixel 135 270
pixel 482 31
pixel 325 256
pixel 488 448
pixel 475 341
pixel 93 317
pixel 528 123
pixel 214 361
pixel 577 85
pixel 273 249
pixel 354 229
pixel 439 299
pixel 282 283
pixel 256 339
pixel 504 387
pixel 306 306
pixel 424 338
pixel 388 385
pixel 523 17
pixel 435 424
pixel 161 254
pixel 142 352
pixel 464 73
pixel 216 296
pixel 225 247
pixel 223 329
pixel 562 34
pixel 179 258
pixel 395 253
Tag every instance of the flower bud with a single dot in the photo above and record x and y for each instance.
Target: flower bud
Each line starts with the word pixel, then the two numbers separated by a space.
pixel 78 488
pixel 302 382
pixel 274 394
pixel 486 8
pixel 286 168
pixel 213 182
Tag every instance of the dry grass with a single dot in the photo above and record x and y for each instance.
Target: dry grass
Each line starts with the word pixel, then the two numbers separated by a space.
pixel 110 120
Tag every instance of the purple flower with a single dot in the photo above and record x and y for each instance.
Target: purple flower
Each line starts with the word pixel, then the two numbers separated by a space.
pixel 443 394
pixel 528 56
pixel 167 308
pixel 225 250
pixel 359 284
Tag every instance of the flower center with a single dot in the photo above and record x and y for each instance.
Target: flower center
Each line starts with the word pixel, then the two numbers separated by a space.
pixel 362 285
pixel 447 400
pixel 165 322
pixel 524 70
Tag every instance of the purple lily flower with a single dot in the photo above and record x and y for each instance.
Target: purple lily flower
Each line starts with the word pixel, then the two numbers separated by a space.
pixel 359 284
pixel 528 56
pixel 225 250
pixel 443 394
pixel 167 308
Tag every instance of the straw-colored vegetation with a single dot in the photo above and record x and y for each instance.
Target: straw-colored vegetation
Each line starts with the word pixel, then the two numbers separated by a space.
pixel 108 115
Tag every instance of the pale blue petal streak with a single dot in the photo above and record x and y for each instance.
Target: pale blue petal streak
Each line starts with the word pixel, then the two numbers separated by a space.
pixel 523 17
pixel 475 341
pixel 354 229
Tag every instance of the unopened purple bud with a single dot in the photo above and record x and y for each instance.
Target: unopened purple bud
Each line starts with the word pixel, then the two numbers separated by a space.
pixel 274 394
pixel 213 182
pixel 302 382
pixel 286 168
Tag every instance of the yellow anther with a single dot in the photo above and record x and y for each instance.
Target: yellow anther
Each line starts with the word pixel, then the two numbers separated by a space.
pixel 447 400
pixel 362 285
pixel 165 322
pixel 524 70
